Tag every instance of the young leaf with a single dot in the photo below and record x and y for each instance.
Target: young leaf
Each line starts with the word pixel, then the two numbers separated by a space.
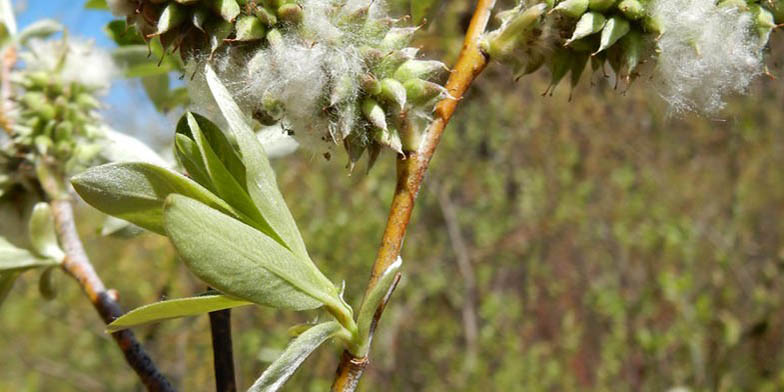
pixel 243 262
pixel 189 156
pixel 13 259
pixel 121 147
pixel 42 235
pixel 136 192
pixel 218 141
pixel 224 182
pixel 7 17
pixel 371 303
pixel 174 308
pixel 261 183
pixel 297 352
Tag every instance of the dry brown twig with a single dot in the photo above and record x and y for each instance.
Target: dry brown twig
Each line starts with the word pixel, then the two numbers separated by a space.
pixel 411 171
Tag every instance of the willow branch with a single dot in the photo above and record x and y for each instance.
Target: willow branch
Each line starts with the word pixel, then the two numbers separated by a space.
pixel 411 171
pixel 79 267
pixel 222 351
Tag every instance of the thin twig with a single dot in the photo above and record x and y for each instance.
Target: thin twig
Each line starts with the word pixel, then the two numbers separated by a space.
pixel 411 172
pixel 79 267
pixel 222 351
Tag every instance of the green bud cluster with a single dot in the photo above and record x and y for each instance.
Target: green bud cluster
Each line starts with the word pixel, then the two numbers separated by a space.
pixel 566 35
pixel 329 72
pixel 56 120
pixel 196 26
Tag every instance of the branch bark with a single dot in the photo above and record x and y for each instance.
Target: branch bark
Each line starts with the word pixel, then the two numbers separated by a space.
pixel 411 171
pixel 222 351
pixel 79 267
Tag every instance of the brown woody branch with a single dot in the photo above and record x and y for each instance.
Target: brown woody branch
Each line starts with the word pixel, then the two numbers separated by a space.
pixel 79 267
pixel 411 171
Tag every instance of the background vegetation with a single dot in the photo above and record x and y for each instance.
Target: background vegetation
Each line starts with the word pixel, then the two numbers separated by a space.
pixel 591 245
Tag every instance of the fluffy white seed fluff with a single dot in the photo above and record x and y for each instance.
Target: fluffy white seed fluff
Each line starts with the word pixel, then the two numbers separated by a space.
pixel 706 52
pixel 73 60
pixel 301 72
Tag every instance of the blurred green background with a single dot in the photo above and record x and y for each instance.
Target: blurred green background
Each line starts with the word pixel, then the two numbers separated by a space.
pixel 593 245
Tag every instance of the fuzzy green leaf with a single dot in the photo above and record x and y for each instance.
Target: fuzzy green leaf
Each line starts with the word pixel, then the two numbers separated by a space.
pixel 260 183
pixel 243 262
pixel 13 259
pixel 175 308
pixel 42 234
pixel 292 358
pixel 136 192
pixel 371 303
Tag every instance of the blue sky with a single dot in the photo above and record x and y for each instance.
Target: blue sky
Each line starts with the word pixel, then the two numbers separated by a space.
pixel 128 109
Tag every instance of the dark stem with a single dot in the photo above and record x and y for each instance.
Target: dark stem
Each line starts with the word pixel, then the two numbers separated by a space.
pixel 79 267
pixel 222 352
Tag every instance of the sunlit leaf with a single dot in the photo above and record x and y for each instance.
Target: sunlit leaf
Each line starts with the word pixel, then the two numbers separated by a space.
pixel 241 261
pixel 13 259
pixel 174 308
pixel 42 234
pixel 261 183
pixel 136 192
pixel 297 352
pixel 373 300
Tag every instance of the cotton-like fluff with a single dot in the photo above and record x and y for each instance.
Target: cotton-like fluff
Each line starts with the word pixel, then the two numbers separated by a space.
pixel 342 75
pixel 705 53
pixel 73 60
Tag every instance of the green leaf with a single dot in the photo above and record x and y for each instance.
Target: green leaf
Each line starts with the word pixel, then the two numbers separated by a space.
pixel 96 5
pixel 371 303
pixel 136 192
pixel 39 29
pixel 175 308
pixel 189 156
pixel 43 237
pixel 243 262
pixel 222 181
pixel 219 143
pixel 292 358
pixel 13 259
pixel 123 34
pixel 121 147
pixel 261 183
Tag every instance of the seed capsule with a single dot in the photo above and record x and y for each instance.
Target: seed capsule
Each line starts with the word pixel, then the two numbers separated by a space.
pixel 393 91
pixel 199 19
pixel 227 9
pixel 600 5
pixel 291 13
pixel 632 9
pixel 419 69
pixel 374 113
pixel 46 284
pixel 421 92
pixel 513 35
pixel 572 8
pixel 389 138
pixel 398 38
pixel 171 17
pixel 249 28
pixel 265 15
pixel 589 23
pixel 614 30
